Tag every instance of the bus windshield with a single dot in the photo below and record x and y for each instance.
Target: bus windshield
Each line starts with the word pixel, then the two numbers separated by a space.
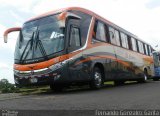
pixel 40 38
pixel 156 57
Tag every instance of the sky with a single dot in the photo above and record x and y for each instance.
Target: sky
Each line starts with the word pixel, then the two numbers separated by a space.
pixel 140 17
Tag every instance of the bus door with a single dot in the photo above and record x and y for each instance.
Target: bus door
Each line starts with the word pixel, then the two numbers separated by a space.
pixel 74 45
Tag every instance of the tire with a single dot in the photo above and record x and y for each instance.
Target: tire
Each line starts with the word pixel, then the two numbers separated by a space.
pixel 145 77
pixel 97 79
pixel 56 88
pixel 117 83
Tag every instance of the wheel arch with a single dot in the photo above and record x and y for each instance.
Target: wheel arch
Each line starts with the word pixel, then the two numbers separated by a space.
pixel 101 67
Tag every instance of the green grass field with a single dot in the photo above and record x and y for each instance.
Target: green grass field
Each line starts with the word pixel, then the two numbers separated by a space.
pixel 44 89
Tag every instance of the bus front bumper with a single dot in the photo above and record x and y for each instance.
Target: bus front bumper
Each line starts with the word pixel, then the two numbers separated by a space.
pixel 44 77
pixel 35 80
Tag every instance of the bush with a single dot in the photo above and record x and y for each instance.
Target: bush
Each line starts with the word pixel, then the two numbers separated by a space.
pixel 6 87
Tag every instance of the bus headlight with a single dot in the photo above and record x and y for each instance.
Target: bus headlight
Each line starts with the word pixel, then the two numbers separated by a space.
pixel 58 65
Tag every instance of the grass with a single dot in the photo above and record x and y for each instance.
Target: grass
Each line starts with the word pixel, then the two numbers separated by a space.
pixel 44 89
pixel 109 83
pixel 34 90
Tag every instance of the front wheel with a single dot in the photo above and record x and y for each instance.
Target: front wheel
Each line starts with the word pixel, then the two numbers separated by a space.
pixel 97 79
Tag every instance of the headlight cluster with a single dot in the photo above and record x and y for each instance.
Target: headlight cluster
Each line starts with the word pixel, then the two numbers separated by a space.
pixel 41 71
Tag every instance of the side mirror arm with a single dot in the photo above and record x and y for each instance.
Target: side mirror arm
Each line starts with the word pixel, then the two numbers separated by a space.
pixel 5 35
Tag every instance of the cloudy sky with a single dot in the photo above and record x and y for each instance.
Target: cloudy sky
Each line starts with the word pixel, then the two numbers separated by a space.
pixel 141 17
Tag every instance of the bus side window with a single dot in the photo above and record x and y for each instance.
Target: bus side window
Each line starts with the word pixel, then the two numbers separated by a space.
pixel 134 44
pixel 129 42
pixel 100 32
pixel 140 45
pixel 150 52
pixel 112 35
pixel 117 37
pixel 137 46
pixel 124 40
pixel 146 49
pixel 75 40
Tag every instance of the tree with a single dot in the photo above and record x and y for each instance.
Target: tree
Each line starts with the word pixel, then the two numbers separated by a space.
pixel 6 87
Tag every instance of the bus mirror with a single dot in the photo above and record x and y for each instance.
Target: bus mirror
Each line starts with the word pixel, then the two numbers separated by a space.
pixel 5 35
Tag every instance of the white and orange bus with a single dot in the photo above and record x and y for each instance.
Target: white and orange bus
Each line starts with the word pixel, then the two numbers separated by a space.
pixel 76 46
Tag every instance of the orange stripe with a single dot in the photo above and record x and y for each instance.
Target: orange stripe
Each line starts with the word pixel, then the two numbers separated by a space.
pixel 52 61
pixel 103 57
pixel 45 64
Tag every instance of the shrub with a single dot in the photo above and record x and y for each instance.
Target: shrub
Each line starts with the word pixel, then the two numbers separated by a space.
pixel 6 87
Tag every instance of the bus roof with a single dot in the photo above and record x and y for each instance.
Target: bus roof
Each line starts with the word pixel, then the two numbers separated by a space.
pixel 90 13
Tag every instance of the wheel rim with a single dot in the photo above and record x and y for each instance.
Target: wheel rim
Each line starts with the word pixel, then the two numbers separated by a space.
pixel 145 77
pixel 98 78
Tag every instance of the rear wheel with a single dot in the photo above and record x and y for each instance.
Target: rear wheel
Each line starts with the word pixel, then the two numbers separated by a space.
pixel 145 77
pixel 97 79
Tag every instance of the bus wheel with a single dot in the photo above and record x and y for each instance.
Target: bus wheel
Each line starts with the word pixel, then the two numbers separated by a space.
pixel 56 88
pixel 117 83
pixel 97 79
pixel 145 77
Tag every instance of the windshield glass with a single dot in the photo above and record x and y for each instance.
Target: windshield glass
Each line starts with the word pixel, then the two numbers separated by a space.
pixel 40 38
pixel 156 57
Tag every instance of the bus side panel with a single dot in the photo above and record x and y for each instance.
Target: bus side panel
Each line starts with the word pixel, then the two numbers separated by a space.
pixel 130 66
pixel 102 53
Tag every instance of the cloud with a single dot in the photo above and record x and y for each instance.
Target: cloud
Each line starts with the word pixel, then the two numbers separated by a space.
pixel 16 16
pixel 3 66
pixel 23 5
pixel 153 4
pixel 12 37
pixel 6 71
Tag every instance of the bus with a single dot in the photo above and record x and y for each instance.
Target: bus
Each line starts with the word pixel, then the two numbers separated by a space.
pixel 156 58
pixel 74 46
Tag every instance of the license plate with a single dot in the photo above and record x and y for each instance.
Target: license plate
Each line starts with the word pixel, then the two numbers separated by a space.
pixel 33 80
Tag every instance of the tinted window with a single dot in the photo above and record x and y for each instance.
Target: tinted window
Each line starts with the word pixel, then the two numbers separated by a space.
pixel 39 39
pixel 114 36
pixel 85 23
pixel 124 40
pixel 150 52
pixel 75 37
pixel 100 32
pixel 117 38
pixel 140 45
pixel 146 49
pixel 134 45
pixel 129 42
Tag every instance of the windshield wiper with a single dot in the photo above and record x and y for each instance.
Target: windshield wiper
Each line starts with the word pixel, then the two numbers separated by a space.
pixel 41 47
pixel 34 43
pixel 30 41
